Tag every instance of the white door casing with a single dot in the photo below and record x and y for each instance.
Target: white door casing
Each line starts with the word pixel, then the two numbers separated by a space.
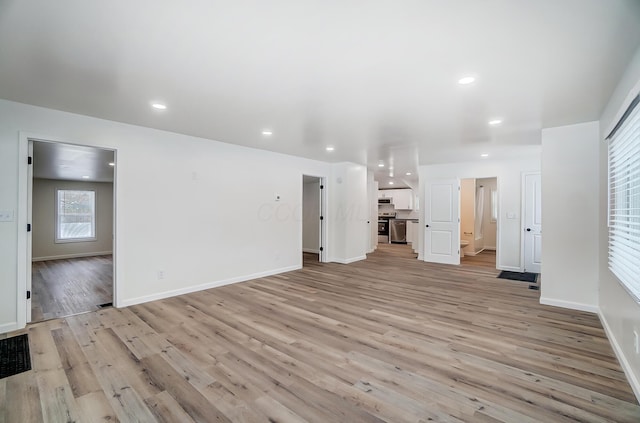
pixel 532 222
pixel 442 221
pixel 29 252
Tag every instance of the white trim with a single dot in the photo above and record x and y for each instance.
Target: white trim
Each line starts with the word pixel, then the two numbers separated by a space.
pixel 489 248
pixel 9 327
pixel 310 250
pixel 24 259
pixel 24 250
pixel 622 359
pixel 71 256
pixel 349 260
pixel 569 304
pixel 202 287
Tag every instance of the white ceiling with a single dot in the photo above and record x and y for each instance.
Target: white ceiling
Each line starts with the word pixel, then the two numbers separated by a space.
pixel 53 160
pixel 376 79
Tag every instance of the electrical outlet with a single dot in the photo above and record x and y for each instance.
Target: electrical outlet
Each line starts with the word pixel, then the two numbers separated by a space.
pixel 636 341
pixel 160 274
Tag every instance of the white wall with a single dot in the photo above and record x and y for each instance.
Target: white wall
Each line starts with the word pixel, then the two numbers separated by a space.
pixel 44 227
pixel 349 213
pixel 177 208
pixel 509 174
pixel 372 198
pixel 570 216
pixel 619 313
pixel 311 217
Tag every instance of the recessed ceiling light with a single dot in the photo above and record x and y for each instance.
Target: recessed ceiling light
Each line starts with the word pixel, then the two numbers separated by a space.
pixel 495 122
pixel 267 132
pixel 390 174
pixel 408 173
pixel 159 106
pixel 112 164
pixel 85 176
pixel 484 155
pixel 390 182
pixel 330 148
pixel 466 80
pixel 380 164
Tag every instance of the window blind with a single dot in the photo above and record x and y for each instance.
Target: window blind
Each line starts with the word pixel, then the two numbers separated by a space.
pixel 624 201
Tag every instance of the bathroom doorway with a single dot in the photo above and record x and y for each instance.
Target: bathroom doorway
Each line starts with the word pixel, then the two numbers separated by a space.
pixel 313 231
pixel 479 221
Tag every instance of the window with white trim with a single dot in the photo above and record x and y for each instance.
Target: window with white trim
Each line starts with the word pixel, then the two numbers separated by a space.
pixel 75 215
pixel 624 200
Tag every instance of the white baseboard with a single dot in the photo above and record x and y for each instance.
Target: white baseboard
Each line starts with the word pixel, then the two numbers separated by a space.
pixel 70 256
pixel 349 260
pixel 490 248
pixel 569 304
pixel 626 367
pixel 310 250
pixel 202 287
pixel 9 327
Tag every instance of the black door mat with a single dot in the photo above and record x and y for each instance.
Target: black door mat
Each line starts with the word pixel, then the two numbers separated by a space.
pixel 517 276
pixel 14 355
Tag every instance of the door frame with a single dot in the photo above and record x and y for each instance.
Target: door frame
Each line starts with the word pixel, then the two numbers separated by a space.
pixel 25 217
pixel 323 254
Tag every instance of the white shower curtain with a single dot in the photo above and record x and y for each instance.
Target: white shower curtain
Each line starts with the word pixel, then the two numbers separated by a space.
pixel 479 212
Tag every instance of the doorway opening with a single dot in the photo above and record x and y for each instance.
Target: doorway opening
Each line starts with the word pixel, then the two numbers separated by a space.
pixel 313 220
pixel 479 221
pixel 71 209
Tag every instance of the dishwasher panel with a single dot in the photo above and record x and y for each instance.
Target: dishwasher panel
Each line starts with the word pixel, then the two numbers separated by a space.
pixel 398 231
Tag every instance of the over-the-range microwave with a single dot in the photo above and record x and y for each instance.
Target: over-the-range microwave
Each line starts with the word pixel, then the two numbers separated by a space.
pixel 385 201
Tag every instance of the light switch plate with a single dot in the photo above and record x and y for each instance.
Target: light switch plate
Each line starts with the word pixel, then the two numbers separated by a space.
pixel 6 215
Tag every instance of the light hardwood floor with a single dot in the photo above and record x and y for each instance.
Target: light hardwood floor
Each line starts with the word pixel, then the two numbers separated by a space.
pixel 486 258
pixel 71 286
pixel 387 339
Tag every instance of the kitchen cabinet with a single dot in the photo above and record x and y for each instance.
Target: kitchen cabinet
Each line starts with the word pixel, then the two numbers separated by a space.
pixel 402 198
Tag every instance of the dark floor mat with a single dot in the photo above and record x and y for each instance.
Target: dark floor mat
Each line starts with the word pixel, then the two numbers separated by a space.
pixel 517 276
pixel 14 355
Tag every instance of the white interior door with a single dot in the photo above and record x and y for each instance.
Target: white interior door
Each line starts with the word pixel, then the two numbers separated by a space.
pixel 442 221
pixel 532 238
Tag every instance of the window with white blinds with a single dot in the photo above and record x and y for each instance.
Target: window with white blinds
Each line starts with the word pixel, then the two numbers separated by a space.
pixel 624 200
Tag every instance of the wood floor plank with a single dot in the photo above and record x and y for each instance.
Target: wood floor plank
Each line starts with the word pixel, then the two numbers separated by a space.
pixel 388 339
pixel 70 286
pixel 192 401
pixel 59 404
pixel 166 409
pixel 75 364
pixel 21 402
pixel 95 408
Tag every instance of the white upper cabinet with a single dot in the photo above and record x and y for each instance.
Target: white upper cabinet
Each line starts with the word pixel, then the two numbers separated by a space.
pixel 402 199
